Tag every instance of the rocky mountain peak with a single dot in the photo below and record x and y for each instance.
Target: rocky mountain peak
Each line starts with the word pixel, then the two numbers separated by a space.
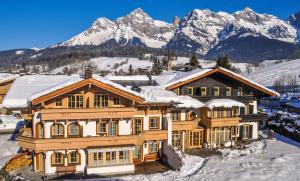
pixel 295 20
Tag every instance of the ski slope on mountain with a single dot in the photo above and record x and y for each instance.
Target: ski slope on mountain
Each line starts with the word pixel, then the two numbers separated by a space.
pixel 270 71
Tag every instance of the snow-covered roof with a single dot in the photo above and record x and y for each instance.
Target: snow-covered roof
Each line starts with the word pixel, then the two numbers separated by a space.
pixel 25 86
pixel 228 103
pixel 198 72
pixel 156 94
pixel 29 87
pixel 6 76
pixel 250 81
pixel 184 76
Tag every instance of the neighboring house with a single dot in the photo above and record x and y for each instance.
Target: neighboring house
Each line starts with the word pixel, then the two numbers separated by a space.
pixel 270 102
pixel 94 125
pixel 230 103
pixel 5 83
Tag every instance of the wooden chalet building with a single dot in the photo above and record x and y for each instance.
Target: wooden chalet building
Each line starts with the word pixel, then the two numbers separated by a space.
pixel 93 125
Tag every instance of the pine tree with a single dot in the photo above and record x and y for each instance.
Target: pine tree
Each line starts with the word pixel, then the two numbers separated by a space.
pixel 223 61
pixel 194 61
pixel 130 70
pixel 157 67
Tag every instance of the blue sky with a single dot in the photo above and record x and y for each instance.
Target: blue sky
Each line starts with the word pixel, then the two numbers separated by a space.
pixel 40 23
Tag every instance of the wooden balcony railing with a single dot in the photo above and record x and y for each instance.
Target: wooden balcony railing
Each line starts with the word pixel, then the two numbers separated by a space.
pixel 26 141
pixel 220 122
pixel 185 125
pixel 254 117
pixel 65 114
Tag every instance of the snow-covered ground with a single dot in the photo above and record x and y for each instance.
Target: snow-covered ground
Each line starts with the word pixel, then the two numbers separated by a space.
pixel 8 148
pixel 271 70
pixel 261 160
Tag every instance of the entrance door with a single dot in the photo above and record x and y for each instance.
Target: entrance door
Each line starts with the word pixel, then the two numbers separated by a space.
pixel 39 162
pixel 39 130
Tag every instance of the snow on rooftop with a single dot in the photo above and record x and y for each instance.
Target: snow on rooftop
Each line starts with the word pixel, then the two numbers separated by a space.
pixel 129 77
pixel 252 82
pixel 25 86
pixel 29 87
pixel 181 77
pixel 7 76
pixel 155 94
pixel 184 76
pixel 228 103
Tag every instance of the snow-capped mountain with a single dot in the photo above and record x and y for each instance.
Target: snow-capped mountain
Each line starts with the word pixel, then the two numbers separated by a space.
pixel 136 28
pixel 199 31
pixel 294 20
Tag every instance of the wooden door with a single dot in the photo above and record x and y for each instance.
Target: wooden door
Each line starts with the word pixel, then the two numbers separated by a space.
pixel 39 162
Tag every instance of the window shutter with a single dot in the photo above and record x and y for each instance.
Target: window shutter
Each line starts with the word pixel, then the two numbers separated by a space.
pixel 250 131
pixel 241 131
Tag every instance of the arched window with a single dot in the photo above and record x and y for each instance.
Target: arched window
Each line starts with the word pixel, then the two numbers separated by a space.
pixel 73 129
pixel 57 158
pixel 74 157
pixel 198 91
pixel 57 130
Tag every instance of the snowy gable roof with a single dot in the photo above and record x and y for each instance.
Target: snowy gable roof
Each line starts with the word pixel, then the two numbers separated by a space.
pixel 25 86
pixel 189 76
pixel 77 79
pixel 4 77
pixel 29 87
pixel 155 94
pixel 227 103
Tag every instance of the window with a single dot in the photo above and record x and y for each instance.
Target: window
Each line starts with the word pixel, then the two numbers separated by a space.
pixel 100 100
pixel 138 125
pixel 203 91
pixel 153 147
pixel 112 128
pixel 73 157
pixel 216 91
pixel 71 101
pixel 246 131
pixel 97 158
pixel 116 101
pixel 153 123
pixel 110 158
pixel 227 134
pixel 234 111
pixel 79 101
pixel 75 101
pixel 197 91
pixel 196 138
pixel 57 130
pixel 240 91
pixel 251 109
pixel 208 114
pixel 228 91
pixel 137 154
pixel 58 102
pixel 124 157
pixel 242 111
pixel 176 139
pixel 190 91
pixel 102 127
pixel 73 129
pixel 175 115
pixel 57 158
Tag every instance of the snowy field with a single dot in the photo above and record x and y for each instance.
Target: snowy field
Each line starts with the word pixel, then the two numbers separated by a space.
pixel 269 71
pixel 275 160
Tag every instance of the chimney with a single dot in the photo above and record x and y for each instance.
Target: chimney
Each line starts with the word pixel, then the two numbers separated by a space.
pixel 88 72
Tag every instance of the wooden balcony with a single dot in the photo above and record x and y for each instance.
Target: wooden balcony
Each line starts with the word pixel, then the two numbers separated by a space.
pixel 65 114
pixel 220 122
pixel 254 117
pixel 185 125
pixel 26 141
